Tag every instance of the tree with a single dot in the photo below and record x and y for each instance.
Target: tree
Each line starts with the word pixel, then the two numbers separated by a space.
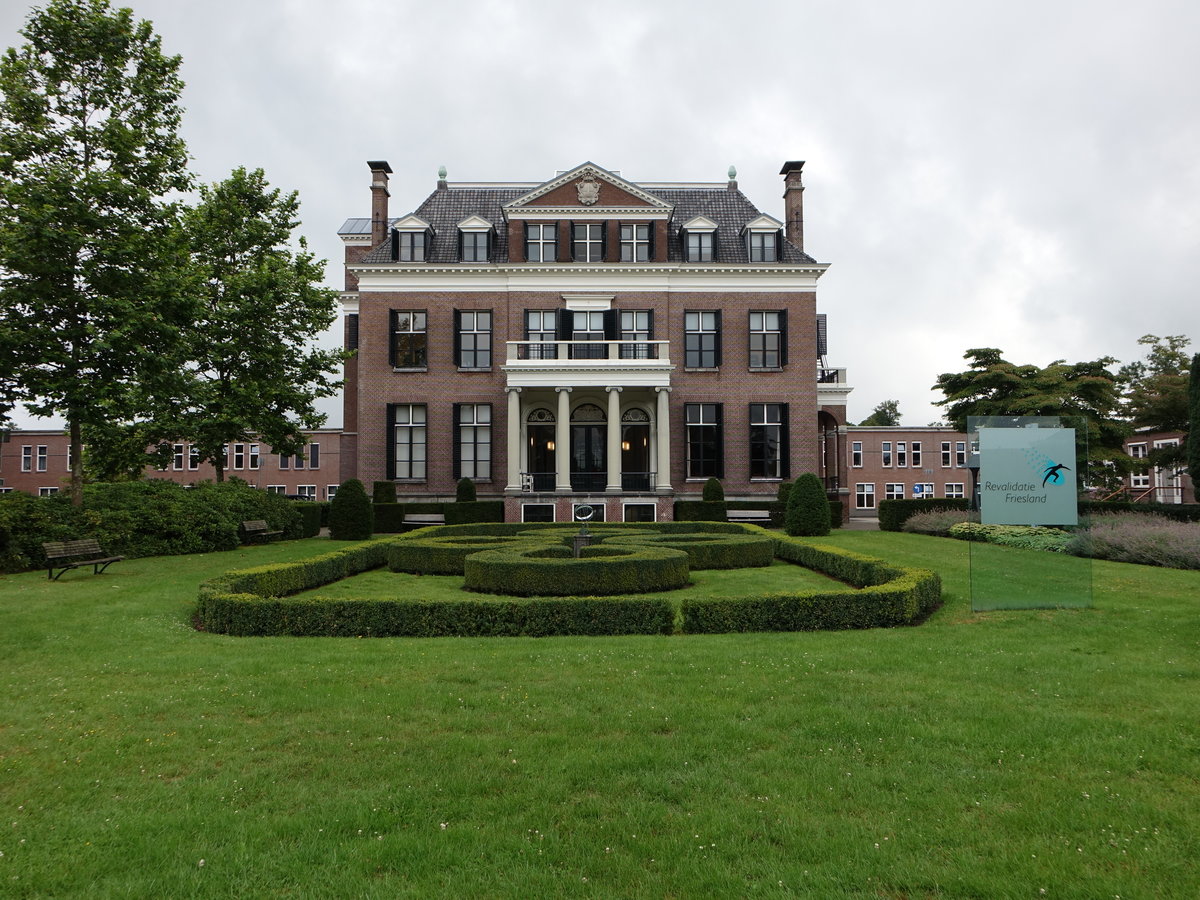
pixel 886 413
pixel 992 386
pixel 1193 437
pixel 807 508
pixel 89 301
pixel 1156 392
pixel 252 371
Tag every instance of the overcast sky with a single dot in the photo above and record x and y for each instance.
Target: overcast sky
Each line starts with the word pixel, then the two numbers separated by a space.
pixel 1021 175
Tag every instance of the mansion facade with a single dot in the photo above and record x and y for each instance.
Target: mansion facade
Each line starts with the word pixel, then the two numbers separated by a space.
pixel 586 340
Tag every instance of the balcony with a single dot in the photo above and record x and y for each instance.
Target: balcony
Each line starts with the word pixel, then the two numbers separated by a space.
pixel 559 363
pixel 832 387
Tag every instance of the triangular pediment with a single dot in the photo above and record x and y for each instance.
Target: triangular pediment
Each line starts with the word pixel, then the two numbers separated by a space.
pixel 699 223
pixel 475 223
pixel 763 223
pixel 588 187
pixel 410 223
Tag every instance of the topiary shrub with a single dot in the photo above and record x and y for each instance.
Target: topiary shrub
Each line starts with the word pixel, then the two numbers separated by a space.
pixel 351 517
pixel 785 490
pixel 713 491
pixel 384 492
pixel 465 492
pixel 807 508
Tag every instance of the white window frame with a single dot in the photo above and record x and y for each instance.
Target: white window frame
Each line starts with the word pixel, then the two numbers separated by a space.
pixel 960 454
pixel 276 488
pixel 885 454
pixel 955 490
pixel 307 491
pixel 947 455
pixel 535 236
pixel 47 491
pixel 901 454
pixel 893 490
pixel 625 508
pixel 589 247
pixel 177 457
pixel 856 454
pixel 864 495
pixel 43 458
pixel 915 455
pixel 761 321
pixel 475 421
pixel 27 458
pixel 239 457
pixel 926 492
pixel 636 246
pixel 553 510
pixel 331 491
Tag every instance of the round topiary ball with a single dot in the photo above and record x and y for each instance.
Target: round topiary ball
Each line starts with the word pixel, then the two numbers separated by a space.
pixel 807 508
pixel 465 492
pixel 713 491
pixel 351 516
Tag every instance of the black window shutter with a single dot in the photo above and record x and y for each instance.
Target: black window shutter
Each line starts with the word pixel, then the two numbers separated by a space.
pixel 487 247
pixel 779 246
pixel 612 324
pixel 684 246
pixel 653 229
pixel 783 337
pixel 603 242
pixel 390 440
pixel 352 331
pixel 571 248
pixel 717 354
pixel 713 240
pixel 720 440
pixel 458 337
pixel 392 337
pixel 457 451
pixel 785 448
pixel 565 322
pixel 556 255
pixel 395 245
pixel 650 325
pixel 460 245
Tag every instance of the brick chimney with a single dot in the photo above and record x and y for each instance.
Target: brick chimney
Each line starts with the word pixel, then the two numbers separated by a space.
pixel 793 202
pixel 380 171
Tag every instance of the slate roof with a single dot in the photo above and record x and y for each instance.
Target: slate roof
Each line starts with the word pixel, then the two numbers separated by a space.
pixel 444 209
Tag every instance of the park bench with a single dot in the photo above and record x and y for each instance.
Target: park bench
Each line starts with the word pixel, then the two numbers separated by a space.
pixel 748 516
pixel 72 554
pixel 255 531
pixel 421 520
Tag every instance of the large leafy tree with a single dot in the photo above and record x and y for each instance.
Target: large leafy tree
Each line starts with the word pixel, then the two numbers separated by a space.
pixel 886 413
pixel 993 386
pixel 1156 392
pixel 89 148
pixel 253 371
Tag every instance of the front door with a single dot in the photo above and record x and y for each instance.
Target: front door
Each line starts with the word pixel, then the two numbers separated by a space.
pixel 589 468
pixel 635 457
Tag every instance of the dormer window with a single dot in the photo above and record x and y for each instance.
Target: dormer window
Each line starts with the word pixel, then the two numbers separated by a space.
pixel 763 238
pixel 699 240
pixel 411 239
pixel 474 239
pixel 587 242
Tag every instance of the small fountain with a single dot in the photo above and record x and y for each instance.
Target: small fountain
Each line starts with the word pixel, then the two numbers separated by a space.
pixel 584 539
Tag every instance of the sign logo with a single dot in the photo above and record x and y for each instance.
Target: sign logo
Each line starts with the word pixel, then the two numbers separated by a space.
pixel 1026 476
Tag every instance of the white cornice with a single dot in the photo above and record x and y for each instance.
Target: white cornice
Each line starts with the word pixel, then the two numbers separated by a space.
pixel 699 223
pixel 474 223
pixel 580 213
pixel 763 223
pixel 577 278
pixel 410 223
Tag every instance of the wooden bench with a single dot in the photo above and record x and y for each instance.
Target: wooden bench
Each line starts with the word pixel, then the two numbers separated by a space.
pixel 72 554
pixel 748 516
pixel 421 520
pixel 255 532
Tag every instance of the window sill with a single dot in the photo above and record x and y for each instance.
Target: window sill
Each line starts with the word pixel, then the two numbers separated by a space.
pixel 410 369
pixel 474 368
pixel 702 369
pixel 766 369
pixel 764 480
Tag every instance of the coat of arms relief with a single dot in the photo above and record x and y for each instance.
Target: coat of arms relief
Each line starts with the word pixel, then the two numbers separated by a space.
pixel 589 189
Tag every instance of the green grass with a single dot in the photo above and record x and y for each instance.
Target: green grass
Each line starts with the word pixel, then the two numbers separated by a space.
pixel 979 755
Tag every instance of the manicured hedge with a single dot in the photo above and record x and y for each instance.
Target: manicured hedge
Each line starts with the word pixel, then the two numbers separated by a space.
pixel 551 571
pixel 887 596
pixel 465 512
pixel 894 513
pixel 444 554
pixel 253 601
pixel 709 551
pixel 311 516
pixel 1180 512
pixel 700 511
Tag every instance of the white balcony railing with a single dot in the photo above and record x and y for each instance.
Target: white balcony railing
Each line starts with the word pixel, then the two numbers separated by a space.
pixel 611 352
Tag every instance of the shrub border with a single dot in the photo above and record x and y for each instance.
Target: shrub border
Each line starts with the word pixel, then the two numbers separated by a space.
pixel 257 602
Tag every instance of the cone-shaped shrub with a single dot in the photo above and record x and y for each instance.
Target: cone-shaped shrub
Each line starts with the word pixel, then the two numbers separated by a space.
pixel 385 492
pixel 807 508
pixel 465 492
pixel 713 491
pixel 351 517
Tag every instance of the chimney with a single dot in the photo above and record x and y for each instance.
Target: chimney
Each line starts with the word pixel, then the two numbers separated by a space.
pixel 793 202
pixel 732 186
pixel 380 171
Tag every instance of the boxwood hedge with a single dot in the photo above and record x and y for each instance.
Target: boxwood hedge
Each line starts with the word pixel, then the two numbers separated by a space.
pixel 256 601
pixel 551 570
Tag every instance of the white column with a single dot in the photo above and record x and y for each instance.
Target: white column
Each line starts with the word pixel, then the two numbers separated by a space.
pixel 562 441
pixel 613 433
pixel 662 434
pixel 513 440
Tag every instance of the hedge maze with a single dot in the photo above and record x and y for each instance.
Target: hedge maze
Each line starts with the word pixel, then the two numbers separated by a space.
pixel 621 584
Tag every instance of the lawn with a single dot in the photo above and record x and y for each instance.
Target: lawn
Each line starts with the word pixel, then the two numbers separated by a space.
pixel 997 754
